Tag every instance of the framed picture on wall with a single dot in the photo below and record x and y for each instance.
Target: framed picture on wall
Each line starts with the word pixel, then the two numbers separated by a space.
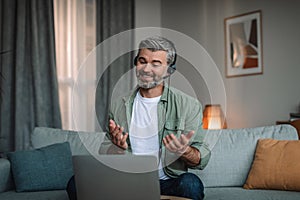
pixel 243 44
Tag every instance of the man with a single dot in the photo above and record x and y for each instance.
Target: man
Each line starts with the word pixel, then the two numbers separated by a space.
pixel 158 119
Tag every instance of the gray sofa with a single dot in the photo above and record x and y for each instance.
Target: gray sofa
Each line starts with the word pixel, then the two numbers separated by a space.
pixel 224 176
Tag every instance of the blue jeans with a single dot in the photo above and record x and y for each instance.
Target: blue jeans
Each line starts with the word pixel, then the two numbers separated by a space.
pixel 71 189
pixel 186 185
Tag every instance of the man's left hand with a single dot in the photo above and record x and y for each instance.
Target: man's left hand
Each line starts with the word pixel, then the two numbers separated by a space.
pixel 178 145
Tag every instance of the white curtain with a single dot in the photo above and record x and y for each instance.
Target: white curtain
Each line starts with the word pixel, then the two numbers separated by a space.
pixel 75 38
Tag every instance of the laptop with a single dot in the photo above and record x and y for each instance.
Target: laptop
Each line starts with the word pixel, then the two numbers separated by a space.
pixel 113 177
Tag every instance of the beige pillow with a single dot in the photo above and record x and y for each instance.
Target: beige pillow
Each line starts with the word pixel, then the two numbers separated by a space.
pixel 276 165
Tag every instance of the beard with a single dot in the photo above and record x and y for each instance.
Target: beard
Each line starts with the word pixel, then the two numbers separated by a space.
pixel 147 84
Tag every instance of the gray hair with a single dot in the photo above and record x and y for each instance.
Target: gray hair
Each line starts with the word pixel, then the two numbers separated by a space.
pixel 157 43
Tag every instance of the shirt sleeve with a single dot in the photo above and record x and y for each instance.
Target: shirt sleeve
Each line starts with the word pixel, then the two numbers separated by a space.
pixel 194 122
pixel 107 139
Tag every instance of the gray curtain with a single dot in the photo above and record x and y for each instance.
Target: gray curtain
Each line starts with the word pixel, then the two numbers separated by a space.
pixel 29 83
pixel 113 17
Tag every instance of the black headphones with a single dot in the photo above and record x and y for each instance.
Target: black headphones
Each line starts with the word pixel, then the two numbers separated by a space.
pixel 171 68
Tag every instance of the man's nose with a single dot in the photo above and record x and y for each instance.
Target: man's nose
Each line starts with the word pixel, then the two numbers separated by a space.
pixel 147 67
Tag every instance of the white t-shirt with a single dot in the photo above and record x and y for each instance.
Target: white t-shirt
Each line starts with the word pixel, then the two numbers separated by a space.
pixel 143 132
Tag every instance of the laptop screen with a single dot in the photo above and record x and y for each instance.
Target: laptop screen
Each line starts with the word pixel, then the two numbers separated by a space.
pixel 116 177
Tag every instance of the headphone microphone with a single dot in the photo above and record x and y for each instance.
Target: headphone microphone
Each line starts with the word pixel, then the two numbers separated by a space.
pixel 168 75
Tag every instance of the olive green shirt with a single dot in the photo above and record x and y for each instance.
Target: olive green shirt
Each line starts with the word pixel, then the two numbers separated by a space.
pixel 177 113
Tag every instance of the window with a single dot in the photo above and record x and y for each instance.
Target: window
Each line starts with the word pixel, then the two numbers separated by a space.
pixel 75 38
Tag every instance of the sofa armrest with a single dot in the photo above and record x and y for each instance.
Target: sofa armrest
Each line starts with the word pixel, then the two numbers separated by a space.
pixel 6 181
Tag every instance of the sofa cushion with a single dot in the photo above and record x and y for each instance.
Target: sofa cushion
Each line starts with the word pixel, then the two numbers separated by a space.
pixel 232 153
pixel 47 168
pixel 81 143
pixel 276 165
pixel 238 193
pixel 6 181
pixel 41 195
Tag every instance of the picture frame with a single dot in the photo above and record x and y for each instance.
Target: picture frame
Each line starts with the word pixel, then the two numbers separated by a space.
pixel 243 44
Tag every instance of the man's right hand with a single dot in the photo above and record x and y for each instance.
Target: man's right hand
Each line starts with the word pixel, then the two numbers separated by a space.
pixel 117 136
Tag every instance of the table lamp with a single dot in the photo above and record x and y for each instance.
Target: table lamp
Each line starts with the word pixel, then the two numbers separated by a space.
pixel 213 117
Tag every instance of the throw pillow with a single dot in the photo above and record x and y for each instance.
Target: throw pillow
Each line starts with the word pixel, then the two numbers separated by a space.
pixel 46 168
pixel 276 165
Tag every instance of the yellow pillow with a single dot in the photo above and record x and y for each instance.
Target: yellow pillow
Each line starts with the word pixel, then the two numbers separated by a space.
pixel 276 165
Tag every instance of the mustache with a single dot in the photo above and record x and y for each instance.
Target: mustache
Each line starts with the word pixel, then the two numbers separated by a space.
pixel 142 73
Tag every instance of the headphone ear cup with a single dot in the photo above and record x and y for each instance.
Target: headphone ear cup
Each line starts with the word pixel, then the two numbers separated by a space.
pixel 172 67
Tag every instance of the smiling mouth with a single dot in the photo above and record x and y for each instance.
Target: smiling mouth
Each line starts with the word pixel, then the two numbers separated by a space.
pixel 146 77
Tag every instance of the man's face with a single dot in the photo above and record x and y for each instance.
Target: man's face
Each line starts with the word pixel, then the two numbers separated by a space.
pixel 151 68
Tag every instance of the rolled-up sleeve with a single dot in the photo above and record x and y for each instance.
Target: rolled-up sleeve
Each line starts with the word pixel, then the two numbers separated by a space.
pixel 198 142
pixel 204 155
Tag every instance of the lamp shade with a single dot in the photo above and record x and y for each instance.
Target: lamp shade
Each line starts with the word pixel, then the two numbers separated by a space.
pixel 213 117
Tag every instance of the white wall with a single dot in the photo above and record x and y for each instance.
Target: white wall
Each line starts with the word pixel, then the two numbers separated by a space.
pixel 147 13
pixel 251 100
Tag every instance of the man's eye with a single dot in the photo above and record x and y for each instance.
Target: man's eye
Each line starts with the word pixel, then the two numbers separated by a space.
pixel 156 64
pixel 142 62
